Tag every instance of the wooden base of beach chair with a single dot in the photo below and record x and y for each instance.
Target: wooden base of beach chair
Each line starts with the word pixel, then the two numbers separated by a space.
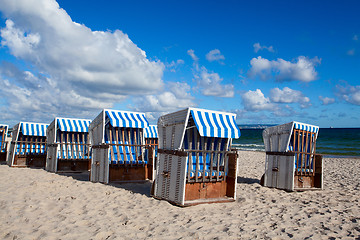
pixel 19 161
pixel 302 183
pixel 33 161
pixel 73 165
pixel 212 192
pixel 208 190
pixel 128 173
pixel 3 156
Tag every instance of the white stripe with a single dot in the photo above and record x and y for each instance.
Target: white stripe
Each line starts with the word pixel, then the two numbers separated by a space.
pixel 212 120
pixel 197 120
pixel 221 126
pixel 227 126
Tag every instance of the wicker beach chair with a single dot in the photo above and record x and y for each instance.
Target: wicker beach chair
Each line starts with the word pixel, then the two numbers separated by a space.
pixel 3 142
pixel 28 145
pixel 291 162
pixel 195 164
pixel 68 145
pixel 118 147
pixel 151 142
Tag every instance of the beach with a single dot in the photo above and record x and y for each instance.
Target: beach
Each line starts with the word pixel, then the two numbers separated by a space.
pixel 36 204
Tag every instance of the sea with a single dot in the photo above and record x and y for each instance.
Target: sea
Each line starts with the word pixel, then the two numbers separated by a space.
pixel 331 142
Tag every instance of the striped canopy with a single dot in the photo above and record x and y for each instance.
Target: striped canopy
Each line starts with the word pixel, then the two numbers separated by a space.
pixel 151 131
pixel 33 129
pixel 215 124
pixel 306 127
pixel 127 119
pixel 73 125
pixel 4 126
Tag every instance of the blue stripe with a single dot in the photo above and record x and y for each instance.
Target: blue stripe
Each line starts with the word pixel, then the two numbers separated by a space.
pixel 134 119
pixel 212 130
pixel 127 119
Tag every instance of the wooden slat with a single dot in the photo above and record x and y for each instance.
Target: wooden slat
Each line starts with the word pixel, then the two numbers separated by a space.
pixel 307 163
pixel 123 141
pixel 197 157
pixel 135 141
pixel 211 158
pixel 25 143
pixel 204 147
pixel 62 145
pixel 218 160
pixel 117 146
pixel 111 141
pixel 67 146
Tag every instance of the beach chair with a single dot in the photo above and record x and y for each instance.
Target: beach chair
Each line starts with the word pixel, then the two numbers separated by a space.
pixel 118 147
pixel 195 164
pixel 291 162
pixel 151 142
pixel 28 145
pixel 3 142
pixel 68 145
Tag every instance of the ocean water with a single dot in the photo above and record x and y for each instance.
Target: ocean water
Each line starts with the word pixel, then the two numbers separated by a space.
pixel 330 141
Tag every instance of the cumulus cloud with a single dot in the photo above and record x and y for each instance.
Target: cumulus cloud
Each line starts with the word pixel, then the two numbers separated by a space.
pixel 173 65
pixel 256 101
pixel 192 55
pixel 258 47
pixel 177 96
pixel 209 83
pixel 90 68
pixel 303 69
pixel 350 94
pixel 326 100
pixel 214 55
pixel 288 95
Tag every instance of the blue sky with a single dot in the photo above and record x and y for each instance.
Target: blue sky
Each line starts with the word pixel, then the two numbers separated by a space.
pixel 268 61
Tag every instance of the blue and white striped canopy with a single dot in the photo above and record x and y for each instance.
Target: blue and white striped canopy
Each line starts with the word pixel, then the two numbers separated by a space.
pixel 33 129
pixel 215 124
pixel 151 131
pixel 73 125
pixel 4 126
pixel 127 119
pixel 306 127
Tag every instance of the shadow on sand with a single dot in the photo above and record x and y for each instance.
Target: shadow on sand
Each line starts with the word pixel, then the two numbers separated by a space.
pixel 143 187
pixel 247 180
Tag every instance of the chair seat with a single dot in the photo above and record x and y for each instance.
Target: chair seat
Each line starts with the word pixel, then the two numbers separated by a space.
pixel 130 162
pixel 207 174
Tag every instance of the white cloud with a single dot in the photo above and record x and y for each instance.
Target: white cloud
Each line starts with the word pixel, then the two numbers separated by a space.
pixel 208 82
pixel 176 97
pixel 214 55
pixel 303 69
pixel 173 65
pixel 326 100
pixel 288 95
pixel 90 68
pixel 356 38
pixel 192 55
pixel 350 94
pixel 258 47
pixel 256 101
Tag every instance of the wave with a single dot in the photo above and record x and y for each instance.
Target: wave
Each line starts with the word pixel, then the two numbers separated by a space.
pixel 248 145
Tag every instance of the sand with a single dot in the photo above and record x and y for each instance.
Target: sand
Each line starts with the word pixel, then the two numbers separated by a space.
pixel 35 204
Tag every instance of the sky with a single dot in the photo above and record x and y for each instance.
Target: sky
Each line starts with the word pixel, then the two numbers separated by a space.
pixel 270 62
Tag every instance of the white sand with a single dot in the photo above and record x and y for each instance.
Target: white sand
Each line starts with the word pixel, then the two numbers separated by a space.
pixel 35 204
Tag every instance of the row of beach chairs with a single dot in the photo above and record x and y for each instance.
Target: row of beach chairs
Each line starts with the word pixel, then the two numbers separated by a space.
pixel 187 156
